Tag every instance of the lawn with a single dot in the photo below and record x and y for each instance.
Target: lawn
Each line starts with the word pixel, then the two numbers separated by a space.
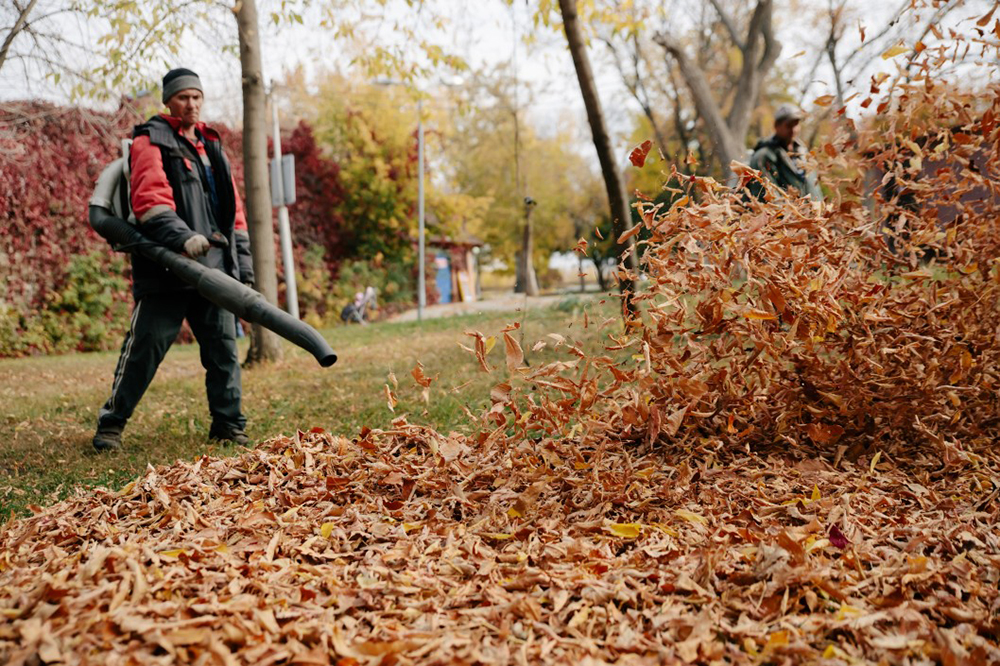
pixel 51 403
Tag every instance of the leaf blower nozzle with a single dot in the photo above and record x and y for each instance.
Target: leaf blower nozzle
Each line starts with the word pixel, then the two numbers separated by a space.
pixel 214 285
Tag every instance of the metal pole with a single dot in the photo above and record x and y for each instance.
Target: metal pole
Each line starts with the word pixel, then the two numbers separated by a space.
pixel 284 228
pixel 421 287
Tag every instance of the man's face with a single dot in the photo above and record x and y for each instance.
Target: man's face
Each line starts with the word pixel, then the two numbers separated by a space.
pixel 186 105
pixel 786 130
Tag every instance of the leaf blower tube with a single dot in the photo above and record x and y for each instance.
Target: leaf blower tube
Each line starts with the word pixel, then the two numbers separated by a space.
pixel 211 283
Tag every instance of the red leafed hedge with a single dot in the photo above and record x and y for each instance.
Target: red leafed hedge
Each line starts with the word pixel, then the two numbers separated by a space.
pixel 60 287
pixel 50 158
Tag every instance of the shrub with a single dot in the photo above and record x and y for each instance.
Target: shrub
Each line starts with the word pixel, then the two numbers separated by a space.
pixel 90 312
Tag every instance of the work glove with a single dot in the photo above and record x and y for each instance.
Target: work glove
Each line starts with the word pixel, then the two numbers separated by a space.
pixel 196 246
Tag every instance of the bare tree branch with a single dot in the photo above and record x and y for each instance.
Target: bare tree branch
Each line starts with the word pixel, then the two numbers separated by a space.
pixel 22 20
pixel 727 21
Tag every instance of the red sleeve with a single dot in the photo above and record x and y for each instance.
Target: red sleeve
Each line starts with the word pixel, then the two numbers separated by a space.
pixel 240 223
pixel 150 187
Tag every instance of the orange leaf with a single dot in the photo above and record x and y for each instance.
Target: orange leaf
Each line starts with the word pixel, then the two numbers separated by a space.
pixel 628 234
pixel 639 153
pixel 420 377
pixel 515 356
pixel 986 18
pixel 822 433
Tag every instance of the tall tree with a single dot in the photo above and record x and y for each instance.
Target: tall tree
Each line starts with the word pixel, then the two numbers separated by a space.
pixel 264 344
pixel 759 49
pixel 614 181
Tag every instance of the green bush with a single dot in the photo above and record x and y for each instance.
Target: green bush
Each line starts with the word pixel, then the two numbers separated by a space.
pixel 322 297
pixel 395 283
pixel 90 312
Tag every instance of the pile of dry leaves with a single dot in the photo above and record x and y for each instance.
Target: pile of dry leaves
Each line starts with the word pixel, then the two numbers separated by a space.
pixel 404 546
pixel 789 458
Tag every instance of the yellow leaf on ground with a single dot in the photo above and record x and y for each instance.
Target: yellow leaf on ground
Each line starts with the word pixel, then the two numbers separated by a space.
pixel 690 516
pixel 625 530
pixel 501 536
pixel 325 529
pixel 878 456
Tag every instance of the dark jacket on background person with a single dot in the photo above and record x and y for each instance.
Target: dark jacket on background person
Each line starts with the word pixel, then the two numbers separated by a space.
pixel 179 189
pixel 782 167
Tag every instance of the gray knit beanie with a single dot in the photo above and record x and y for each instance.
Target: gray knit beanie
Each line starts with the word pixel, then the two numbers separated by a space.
pixel 179 79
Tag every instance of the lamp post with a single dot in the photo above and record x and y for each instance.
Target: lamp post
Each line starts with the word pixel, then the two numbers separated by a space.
pixel 421 240
pixel 421 250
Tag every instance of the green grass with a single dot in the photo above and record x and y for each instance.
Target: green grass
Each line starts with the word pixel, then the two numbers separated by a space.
pixel 51 403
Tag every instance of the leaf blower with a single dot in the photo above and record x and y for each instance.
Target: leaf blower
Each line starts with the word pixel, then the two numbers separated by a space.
pixel 109 210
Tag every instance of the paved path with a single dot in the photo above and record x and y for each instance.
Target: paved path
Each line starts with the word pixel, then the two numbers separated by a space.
pixel 493 303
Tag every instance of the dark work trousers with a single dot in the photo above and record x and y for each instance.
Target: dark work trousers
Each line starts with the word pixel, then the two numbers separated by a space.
pixel 156 320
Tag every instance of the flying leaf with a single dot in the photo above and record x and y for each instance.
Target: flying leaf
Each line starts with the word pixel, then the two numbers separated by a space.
pixel 420 377
pixel 985 19
pixel 760 315
pixel 825 100
pixel 894 51
pixel 629 233
pixel 639 153
pixel 515 356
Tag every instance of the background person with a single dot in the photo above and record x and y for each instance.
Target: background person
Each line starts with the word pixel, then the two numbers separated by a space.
pixel 780 157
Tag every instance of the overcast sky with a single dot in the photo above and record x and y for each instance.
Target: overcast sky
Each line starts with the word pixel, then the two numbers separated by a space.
pixel 485 33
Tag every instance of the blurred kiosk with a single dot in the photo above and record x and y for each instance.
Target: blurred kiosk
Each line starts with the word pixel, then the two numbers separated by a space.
pixel 283 196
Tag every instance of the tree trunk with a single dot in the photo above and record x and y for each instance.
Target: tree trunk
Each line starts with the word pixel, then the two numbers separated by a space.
pixel 527 280
pixel 621 214
pixel 760 50
pixel 598 270
pixel 264 344
pixel 727 147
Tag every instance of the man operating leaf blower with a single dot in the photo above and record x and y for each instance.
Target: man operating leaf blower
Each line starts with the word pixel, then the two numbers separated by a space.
pixel 183 198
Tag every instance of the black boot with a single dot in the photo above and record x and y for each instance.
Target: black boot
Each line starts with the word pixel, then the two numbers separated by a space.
pixel 228 433
pixel 108 438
